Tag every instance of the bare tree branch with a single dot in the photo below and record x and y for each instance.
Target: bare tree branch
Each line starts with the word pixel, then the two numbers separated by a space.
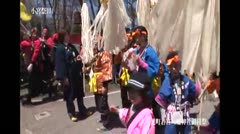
pixel 64 14
pixel 71 14
pixel 44 16
pixel 81 2
pixel 50 4
pixel 54 14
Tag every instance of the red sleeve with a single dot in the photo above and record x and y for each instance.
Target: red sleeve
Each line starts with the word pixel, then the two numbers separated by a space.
pixel 25 44
pixel 50 42
pixel 37 46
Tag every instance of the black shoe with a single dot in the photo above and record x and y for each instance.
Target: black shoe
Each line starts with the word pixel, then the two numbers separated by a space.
pixel 26 101
pixel 87 113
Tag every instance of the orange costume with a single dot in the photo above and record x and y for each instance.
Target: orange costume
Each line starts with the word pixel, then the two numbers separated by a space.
pixel 214 85
pixel 100 77
pixel 214 120
pixel 103 69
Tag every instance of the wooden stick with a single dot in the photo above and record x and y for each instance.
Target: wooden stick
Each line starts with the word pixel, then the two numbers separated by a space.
pixel 23 27
pixel 84 84
pixel 200 113
pixel 201 101
pixel 202 93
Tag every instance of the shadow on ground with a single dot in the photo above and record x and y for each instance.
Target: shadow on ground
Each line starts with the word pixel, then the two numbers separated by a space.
pixel 90 109
pixel 115 121
pixel 48 99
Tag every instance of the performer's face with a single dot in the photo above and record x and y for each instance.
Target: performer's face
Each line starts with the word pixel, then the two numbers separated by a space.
pixel 34 36
pixel 141 40
pixel 174 71
pixel 66 38
pixel 134 97
pixel 44 32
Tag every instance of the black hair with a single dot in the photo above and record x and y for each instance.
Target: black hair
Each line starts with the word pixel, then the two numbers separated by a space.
pixel 46 27
pixel 48 31
pixel 128 30
pixel 146 101
pixel 171 55
pixel 142 28
pixel 215 75
pixel 177 65
pixel 61 36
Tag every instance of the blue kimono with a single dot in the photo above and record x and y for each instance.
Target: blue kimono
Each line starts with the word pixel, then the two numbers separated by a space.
pixel 150 57
pixel 166 99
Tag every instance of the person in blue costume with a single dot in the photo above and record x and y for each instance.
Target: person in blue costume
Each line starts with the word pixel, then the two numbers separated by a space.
pixel 158 111
pixel 146 59
pixel 174 95
pixel 145 55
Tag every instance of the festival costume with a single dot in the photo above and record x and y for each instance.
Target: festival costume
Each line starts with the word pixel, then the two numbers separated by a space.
pixel 173 102
pixel 139 118
pixel 214 120
pixel 102 75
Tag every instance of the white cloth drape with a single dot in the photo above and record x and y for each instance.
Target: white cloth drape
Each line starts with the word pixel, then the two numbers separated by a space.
pixel 189 26
pixel 87 47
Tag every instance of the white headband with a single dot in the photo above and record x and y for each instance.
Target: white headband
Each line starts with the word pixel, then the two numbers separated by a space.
pixel 136 83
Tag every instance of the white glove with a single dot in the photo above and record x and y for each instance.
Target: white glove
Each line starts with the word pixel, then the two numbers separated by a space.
pixel 59 84
pixel 29 68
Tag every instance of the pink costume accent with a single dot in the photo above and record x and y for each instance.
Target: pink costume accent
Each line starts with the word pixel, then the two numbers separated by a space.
pixel 143 123
pixel 161 101
pixel 198 88
pixel 142 63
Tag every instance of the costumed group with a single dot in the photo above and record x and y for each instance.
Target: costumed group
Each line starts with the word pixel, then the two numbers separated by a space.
pixel 151 88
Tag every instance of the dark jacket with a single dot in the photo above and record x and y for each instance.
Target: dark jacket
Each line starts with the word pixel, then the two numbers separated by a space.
pixel 60 62
pixel 68 67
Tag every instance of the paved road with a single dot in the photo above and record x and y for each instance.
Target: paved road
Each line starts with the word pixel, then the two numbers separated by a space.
pixel 54 119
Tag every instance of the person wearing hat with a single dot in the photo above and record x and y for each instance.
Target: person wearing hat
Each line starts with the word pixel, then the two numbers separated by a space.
pixel 145 56
pixel 139 118
pixel 174 97
pixel 146 59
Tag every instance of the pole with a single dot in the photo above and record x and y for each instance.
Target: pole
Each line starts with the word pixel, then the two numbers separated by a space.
pixel 200 113
pixel 201 101
pixel 26 30
pixel 84 79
